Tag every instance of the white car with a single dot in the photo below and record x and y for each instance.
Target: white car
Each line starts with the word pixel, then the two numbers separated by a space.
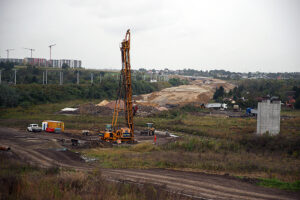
pixel 34 128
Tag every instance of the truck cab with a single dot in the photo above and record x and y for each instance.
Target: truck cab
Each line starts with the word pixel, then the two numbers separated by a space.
pixel 34 128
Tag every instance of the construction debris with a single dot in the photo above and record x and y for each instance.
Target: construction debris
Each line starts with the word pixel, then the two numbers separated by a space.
pixel 4 148
pixel 69 109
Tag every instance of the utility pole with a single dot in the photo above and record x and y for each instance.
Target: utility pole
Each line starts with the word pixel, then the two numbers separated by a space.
pixel 46 77
pixel 77 77
pixel 61 78
pixel 92 78
pixel 43 78
pixel 0 77
pixel 50 46
pixel 30 51
pixel 8 50
pixel 100 78
pixel 15 76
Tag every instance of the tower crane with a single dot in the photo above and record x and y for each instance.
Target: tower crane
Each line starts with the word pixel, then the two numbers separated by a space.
pixel 30 51
pixel 8 50
pixel 112 132
pixel 50 46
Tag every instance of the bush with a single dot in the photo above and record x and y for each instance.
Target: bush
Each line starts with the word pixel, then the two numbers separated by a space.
pixel 8 96
pixel 28 94
pixel 297 103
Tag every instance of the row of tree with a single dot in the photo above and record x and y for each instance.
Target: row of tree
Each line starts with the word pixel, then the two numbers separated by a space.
pixel 29 94
pixel 248 92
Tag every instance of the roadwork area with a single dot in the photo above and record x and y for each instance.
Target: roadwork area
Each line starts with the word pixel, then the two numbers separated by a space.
pixel 46 150
pixel 199 91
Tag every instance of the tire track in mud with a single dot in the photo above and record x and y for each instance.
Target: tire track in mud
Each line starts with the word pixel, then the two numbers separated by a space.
pixel 198 188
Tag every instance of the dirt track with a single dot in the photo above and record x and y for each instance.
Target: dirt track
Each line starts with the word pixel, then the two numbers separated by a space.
pixel 44 150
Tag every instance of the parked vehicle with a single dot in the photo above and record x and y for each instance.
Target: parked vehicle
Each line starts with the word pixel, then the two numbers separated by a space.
pixel 149 131
pixel 236 108
pixel 251 111
pixel 34 128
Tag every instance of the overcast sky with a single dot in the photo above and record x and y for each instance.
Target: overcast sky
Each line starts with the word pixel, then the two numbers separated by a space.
pixel 235 35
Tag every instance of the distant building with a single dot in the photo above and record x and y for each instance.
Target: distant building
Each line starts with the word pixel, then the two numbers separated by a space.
pixel 70 63
pixel 55 63
pixel 42 62
pixel 13 60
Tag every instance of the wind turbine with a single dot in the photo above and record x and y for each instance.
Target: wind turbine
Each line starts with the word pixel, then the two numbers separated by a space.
pixel 30 51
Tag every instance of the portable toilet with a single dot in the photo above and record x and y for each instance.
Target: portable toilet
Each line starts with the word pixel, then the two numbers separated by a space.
pixel 44 125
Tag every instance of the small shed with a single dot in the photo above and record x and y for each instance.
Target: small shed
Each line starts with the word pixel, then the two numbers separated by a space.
pixel 53 126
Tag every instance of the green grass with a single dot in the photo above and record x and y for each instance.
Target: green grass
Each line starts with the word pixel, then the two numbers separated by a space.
pixel 211 144
pixel 22 181
pixel 275 183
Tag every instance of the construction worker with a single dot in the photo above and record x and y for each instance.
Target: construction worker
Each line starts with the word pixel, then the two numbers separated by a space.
pixel 135 109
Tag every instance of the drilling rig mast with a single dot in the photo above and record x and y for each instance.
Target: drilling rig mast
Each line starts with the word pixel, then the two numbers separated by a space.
pixel 112 132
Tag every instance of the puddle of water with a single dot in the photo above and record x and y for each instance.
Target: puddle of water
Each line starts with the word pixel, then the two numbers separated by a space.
pixel 59 149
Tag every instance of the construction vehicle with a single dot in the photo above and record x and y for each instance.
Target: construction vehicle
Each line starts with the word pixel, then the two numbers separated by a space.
pixel 113 133
pixel 149 131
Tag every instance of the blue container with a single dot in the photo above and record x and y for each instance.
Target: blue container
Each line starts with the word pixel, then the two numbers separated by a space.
pixel 57 130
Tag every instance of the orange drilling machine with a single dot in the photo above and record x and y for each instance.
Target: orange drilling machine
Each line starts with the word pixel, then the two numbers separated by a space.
pixel 112 132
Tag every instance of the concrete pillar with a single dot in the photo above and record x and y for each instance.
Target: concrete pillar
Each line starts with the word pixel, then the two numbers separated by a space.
pixel 46 77
pixel 43 78
pixel 61 78
pixel 15 77
pixel 77 77
pixel 268 117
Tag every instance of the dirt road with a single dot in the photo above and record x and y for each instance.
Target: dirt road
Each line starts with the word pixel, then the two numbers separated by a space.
pixel 45 150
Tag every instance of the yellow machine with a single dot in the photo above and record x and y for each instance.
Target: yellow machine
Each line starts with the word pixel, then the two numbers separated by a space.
pixel 149 131
pixel 112 133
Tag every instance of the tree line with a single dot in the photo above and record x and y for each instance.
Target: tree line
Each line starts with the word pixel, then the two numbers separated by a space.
pixel 248 92
pixel 30 94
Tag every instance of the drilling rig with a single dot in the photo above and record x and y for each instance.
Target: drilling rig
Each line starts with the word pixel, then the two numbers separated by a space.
pixel 112 131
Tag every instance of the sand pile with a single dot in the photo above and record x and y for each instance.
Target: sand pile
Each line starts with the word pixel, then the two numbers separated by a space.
pixel 103 103
pixel 199 92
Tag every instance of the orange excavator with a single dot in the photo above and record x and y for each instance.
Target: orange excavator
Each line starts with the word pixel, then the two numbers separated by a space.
pixel 112 132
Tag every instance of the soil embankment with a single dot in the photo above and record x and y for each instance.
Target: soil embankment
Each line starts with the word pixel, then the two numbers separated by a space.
pixel 199 92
